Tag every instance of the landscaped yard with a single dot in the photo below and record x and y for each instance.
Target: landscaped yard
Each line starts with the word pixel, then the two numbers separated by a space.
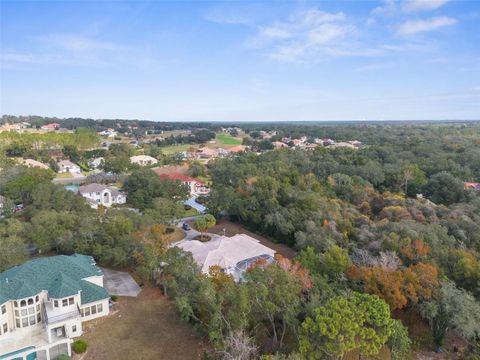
pixel 226 139
pixel 142 328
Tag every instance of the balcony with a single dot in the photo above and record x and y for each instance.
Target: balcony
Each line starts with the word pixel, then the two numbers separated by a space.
pixel 54 315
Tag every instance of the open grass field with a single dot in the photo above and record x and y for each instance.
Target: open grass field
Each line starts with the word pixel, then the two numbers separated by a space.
pixel 173 149
pixel 225 139
pixel 143 328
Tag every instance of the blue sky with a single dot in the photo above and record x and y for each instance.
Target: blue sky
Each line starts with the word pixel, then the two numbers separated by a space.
pixel 241 60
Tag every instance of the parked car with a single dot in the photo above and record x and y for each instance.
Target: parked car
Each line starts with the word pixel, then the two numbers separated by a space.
pixel 186 227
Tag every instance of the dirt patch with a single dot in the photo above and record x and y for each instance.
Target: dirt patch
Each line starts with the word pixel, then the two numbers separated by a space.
pixel 143 328
pixel 232 228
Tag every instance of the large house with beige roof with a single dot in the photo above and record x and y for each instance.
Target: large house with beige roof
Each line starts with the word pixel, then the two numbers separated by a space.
pixel 44 302
pixel 233 254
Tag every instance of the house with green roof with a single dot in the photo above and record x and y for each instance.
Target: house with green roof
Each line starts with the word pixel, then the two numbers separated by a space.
pixel 44 302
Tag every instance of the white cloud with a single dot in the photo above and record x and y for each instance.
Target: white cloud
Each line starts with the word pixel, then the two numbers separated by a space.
pixel 304 36
pixel 393 7
pixel 422 5
pixel 76 43
pixel 411 27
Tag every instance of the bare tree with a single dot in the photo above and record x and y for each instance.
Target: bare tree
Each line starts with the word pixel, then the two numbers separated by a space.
pixel 239 346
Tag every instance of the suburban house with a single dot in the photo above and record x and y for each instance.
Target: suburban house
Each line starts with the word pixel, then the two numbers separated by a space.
pixel 109 133
pixel 143 160
pixel 233 254
pixel 51 126
pixel 35 164
pixel 196 187
pixel 279 144
pixel 99 194
pixel 65 166
pixel 44 302
pixel 237 149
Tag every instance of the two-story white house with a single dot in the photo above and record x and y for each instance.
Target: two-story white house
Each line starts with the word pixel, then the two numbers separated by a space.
pixel 44 302
pixel 99 194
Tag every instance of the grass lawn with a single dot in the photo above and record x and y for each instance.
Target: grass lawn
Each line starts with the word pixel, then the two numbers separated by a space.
pixel 191 212
pixel 173 149
pixel 143 328
pixel 65 175
pixel 226 139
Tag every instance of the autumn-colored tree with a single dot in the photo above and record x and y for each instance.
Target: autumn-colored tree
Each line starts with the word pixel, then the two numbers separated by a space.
pixel 296 270
pixel 398 287
pixel 219 278
pixel 415 252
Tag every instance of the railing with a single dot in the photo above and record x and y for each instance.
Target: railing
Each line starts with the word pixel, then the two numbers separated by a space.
pixel 59 317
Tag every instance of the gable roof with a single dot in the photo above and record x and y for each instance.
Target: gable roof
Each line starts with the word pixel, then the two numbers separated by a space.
pixel 60 275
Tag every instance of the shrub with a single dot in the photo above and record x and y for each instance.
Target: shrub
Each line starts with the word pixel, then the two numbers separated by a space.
pixel 114 297
pixel 63 357
pixel 79 346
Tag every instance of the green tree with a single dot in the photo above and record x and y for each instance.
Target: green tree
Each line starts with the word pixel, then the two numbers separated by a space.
pixel 12 245
pixel 359 322
pixel 452 309
pixel 203 223
pixel 444 188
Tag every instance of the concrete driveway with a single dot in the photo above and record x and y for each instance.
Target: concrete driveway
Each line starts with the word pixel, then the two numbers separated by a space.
pixel 120 283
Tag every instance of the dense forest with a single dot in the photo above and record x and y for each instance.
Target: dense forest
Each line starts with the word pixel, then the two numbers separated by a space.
pixel 384 234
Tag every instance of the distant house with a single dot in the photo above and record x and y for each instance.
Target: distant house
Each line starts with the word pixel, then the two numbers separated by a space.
pixel 196 187
pixel 342 144
pixel 65 166
pixel 96 163
pixel 143 160
pixel 207 153
pixel 234 255
pixel 279 144
pixel 237 149
pixel 109 133
pixel 44 303
pixel 35 164
pixel 311 146
pixel 51 126
pixel 472 186
pixel 99 194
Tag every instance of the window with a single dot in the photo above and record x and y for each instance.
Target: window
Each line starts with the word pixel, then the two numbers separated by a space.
pixel 64 302
pixel 36 298
pixel 4 309
pixel 23 303
pixel 24 312
pixel 39 318
pixel 87 311
pixel 38 307
pixel 94 309
pixel 24 322
pixel 32 320
pixel 17 322
pixel 100 308
pixel 30 301
pixel 31 310
pixel 71 301
pixel 74 328
pixel 17 314
pixel 5 328
pixel 81 312
pixel 55 303
pixel 16 303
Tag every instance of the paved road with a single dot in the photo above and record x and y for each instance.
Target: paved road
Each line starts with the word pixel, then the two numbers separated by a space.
pixel 120 283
